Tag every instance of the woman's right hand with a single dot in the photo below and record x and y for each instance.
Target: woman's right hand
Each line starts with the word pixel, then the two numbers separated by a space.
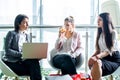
pixel 62 31
pixel 91 61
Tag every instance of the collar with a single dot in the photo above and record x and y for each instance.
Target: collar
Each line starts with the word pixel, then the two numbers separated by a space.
pixel 22 32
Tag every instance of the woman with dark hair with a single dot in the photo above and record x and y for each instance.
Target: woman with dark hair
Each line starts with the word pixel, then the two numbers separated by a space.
pixel 106 58
pixel 67 48
pixel 13 50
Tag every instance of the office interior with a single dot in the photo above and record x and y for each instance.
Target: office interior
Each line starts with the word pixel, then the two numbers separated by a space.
pixel 46 16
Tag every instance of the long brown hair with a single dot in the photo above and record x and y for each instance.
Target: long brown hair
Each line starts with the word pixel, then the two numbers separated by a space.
pixel 107 23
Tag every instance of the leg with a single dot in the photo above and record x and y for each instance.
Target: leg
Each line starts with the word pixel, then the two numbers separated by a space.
pixel 28 67
pixel 103 68
pixel 34 68
pixel 18 67
pixel 96 71
pixel 65 63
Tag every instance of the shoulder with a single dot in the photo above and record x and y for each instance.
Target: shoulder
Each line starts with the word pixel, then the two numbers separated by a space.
pixel 11 33
pixel 76 34
pixel 114 32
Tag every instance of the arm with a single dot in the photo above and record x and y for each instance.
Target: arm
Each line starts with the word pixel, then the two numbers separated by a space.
pixel 93 58
pixel 102 54
pixel 59 43
pixel 96 52
pixel 96 57
pixel 9 46
pixel 107 52
pixel 60 40
pixel 78 50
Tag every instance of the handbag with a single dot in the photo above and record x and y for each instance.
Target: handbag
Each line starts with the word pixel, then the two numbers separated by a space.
pixel 81 76
pixel 58 77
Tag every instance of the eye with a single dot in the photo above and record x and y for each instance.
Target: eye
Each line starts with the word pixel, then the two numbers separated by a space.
pixel 100 19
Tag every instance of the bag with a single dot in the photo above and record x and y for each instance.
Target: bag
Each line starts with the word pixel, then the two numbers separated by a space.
pixel 81 76
pixel 58 77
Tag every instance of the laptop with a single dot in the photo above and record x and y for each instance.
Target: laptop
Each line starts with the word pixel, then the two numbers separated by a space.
pixel 34 50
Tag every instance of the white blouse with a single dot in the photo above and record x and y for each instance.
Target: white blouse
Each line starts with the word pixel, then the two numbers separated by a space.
pixel 102 44
pixel 22 39
pixel 66 46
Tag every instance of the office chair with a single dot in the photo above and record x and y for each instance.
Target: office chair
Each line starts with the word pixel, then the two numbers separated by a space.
pixel 80 60
pixel 7 71
pixel 117 72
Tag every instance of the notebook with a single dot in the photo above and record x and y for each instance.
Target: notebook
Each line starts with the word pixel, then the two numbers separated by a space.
pixel 34 50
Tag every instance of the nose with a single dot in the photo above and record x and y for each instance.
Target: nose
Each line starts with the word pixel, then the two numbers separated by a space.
pixel 27 24
pixel 97 21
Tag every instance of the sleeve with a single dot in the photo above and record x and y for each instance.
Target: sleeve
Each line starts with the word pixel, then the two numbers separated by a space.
pixel 59 43
pixel 114 40
pixel 79 48
pixel 8 46
pixel 114 36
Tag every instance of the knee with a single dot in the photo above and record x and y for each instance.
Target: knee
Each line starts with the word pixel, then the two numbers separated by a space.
pixel 79 61
pixel 98 63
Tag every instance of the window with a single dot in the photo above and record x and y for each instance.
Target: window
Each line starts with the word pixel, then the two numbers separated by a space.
pixel 51 12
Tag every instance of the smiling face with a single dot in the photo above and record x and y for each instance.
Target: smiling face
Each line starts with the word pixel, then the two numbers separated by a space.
pixel 100 22
pixel 24 24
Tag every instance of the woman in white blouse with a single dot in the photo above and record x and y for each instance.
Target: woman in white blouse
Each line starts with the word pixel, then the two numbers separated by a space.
pixel 13 50
pixel 106 58
pixel 67 48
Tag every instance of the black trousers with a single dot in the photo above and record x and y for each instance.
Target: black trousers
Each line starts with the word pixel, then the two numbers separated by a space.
pixel 65 63
pixel 28 67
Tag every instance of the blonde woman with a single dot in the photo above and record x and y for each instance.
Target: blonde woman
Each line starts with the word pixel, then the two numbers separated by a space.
pixel 68 47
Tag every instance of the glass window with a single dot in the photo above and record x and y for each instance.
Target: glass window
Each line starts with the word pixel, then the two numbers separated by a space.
pixel 56 10
pixel 10 8
pixel 51 12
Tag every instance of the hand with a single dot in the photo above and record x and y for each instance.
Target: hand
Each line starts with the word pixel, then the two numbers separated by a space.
pixel 91 61
pixel 73 55
pixel 62 32
pixel 61 35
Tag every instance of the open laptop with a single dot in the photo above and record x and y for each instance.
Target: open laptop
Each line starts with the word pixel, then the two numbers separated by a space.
pixel 34 50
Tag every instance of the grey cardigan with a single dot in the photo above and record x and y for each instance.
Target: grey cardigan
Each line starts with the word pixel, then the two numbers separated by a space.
pixel 12 53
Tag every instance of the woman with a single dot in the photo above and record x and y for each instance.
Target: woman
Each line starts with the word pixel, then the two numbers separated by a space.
pixel 68 48
pixel 106 58
pixel 13 50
